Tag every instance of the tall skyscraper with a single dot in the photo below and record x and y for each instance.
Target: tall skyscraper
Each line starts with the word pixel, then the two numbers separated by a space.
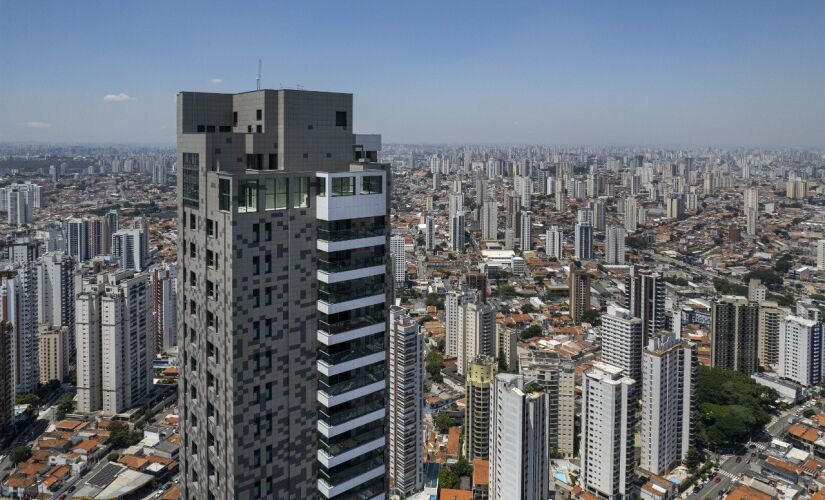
pixel 489 219
pixel 668 365
pixel 456 203
pixel 55 289
pixel 622 341
pixel 77 239
pixel 129 249
pixel 597 207
pixel 583 241
pixel 607 423
pixel 115 346
pixel 579 283
pixel 399 259
pixel 53 351
pixel 406 403
pixel 478 383
pixel 614 245
pixel 429 234
pixel 471 327
pixel 631 211
pixel 645 298
pixel 800 350
pixel 770 317
pixel 6 368
pixel 526 231
pixel 557 378
pixel 554 242
pixel 734 334
pixel 165 288
pixel 286 395
pixel 18 207
pixel 457 237
pixel 19 286
pixel 519 454
pixel 820 255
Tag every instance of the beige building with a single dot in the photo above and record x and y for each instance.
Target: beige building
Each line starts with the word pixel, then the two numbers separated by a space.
pixel 770 316
pixel 53 344
pixel 557 377
pixel 480 374
pixel 579 293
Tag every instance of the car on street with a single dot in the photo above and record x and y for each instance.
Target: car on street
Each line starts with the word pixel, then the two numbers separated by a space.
pixel 717 479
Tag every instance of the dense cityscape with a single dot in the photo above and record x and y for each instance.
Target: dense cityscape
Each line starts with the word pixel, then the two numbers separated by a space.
pixel 412 251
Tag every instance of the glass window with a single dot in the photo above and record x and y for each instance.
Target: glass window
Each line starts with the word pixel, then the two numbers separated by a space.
pixel 275 194
pixel 224 197
pixel 300 195
pixel 248 196
pixel 190 180
pixel 343 186
pixel 371 184
pixel 322 186
pixel 341 119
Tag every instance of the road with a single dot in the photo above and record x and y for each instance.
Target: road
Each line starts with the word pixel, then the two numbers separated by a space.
pixel 730 471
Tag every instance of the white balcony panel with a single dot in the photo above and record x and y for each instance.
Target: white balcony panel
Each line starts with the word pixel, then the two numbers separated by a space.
pixel 333 430
pixel 336 338
pixel 330 370
pixel 332 461
pixel 330 401
pixel 330 491
pixel 354 274
pixel 327 308
pixel 336 246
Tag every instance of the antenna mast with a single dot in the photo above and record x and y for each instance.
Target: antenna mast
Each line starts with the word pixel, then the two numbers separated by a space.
pixel 258 80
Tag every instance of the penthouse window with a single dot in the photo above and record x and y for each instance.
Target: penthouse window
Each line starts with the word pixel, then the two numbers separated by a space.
pixel 300 194
pixel 275 193
pixel 343 186
pixel 248 196
pixel 224 196
pixel 341 119
pixel 371 184
pixel 190 180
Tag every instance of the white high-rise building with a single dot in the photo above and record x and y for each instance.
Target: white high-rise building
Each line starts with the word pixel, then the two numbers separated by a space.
pixel 556 375
pixel 457 237
pixel 554 242
pixel 429 232
pixel 489 220
pixel 668 366
pixel 77 238
pixel 631 221
pixel 18 207
pixel 583 241
pixel 399 259
pixel 526 231
pixel 456 204
pixel 406 403
pixel 55 290
pixel 129 249
pixel 519 453
pixel 19 286
pixel 622 341
pixel 53 347
pixel 607 425
pixel 114 342
pixel 800 350
pixel 615 245
pixel 820 255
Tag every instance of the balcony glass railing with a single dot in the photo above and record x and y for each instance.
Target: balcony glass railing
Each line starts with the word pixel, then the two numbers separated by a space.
pixel 351 233
pixel 334 293
pixel 351 380
pixel 354 349
pixel 359 436
pixel 353 468
pixel 351 320
pixel 352 409
pixel 350 264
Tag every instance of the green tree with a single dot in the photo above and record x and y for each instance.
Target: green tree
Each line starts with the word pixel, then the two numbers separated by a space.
pixel 20 454
pixel 113 456
pixel 64 405
pixel 530 332
pixel 27 399
pixel 505 292
pixel 434 363
pixel 442 423
pixel 592 316
pixel 692 459
pixel 434 299
pixel 120 436
pixel 463 467
pixel 447 478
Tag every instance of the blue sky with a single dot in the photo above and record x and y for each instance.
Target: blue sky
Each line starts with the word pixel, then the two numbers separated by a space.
pixel 574 72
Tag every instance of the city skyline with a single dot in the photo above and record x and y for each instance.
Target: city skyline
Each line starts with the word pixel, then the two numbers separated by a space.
pixel 736 74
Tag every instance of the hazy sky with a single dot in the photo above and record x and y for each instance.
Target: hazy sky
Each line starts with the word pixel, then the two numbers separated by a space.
pixel 608 72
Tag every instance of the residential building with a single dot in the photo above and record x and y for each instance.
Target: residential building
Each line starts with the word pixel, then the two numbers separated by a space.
pixel 734 334
pixel 800 350
pixel 53 351
pixel 519 454
pixel 19 286
pixel 457 236
pixel 6 368
pixel 668 381
pixel 607 432
pixel 55 290
pixel 287 319
pixel 645 298
pixel 583 240
pixel 622 341
pixel 579 282
pixel 770 317
pixel 820 255
pixel 129 249
pixel 478 384
pixel 556 376
pixel 554 242
pixel 399 259
pixel 429 234
pixel 526 243
pixel 406 363
pixel 164 306
pixel 615 245
pixel 489 219
pixel 631 211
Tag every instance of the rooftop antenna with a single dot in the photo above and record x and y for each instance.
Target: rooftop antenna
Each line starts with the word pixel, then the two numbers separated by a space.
pixel 258 80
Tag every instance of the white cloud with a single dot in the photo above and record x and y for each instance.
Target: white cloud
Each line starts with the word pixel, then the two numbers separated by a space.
pixel 117 98
pixel 35 124
pixel 216 81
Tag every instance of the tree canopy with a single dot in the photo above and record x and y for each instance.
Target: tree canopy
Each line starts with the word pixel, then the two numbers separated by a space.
pixel 730 406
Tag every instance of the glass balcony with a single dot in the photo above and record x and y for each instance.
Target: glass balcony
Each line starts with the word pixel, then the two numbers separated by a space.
pixel 351 380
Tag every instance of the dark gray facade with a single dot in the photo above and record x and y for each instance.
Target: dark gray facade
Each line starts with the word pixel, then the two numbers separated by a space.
pixel 255 376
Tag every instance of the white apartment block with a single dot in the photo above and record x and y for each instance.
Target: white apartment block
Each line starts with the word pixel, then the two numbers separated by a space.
pixel 607 425
pixel 800 350
pixel 399 259
pixel 668 380
pixel 622 341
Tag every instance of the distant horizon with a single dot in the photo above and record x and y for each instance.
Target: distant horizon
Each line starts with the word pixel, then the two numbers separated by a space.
pixel 720 73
